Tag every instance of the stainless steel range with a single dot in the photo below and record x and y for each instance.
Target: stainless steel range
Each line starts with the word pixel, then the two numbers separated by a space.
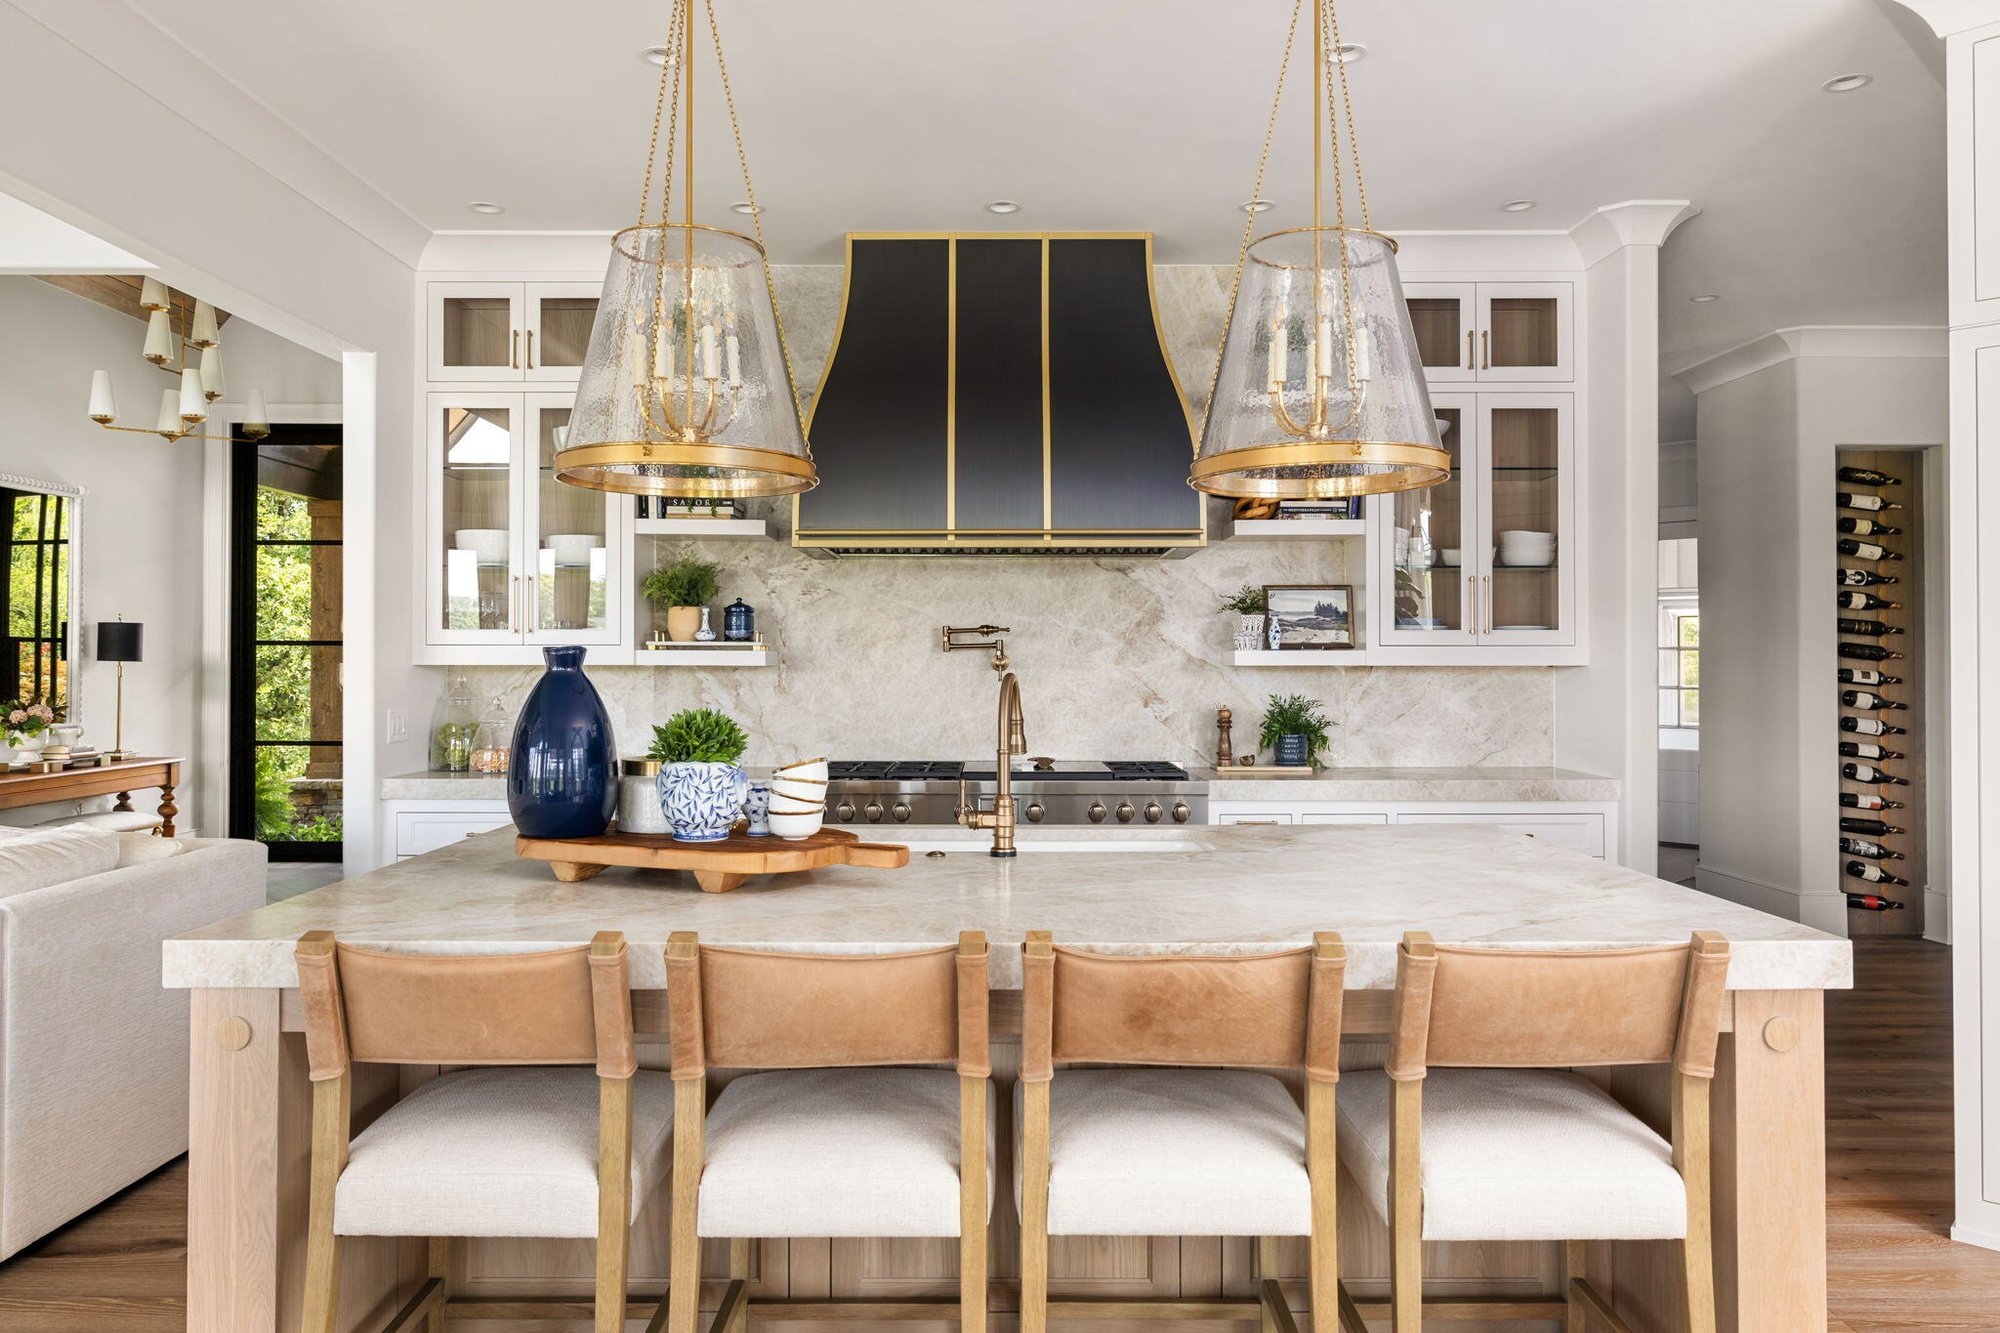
pixel 920 792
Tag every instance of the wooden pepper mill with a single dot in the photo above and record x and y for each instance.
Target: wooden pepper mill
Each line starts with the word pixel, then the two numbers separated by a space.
pixel 1224 747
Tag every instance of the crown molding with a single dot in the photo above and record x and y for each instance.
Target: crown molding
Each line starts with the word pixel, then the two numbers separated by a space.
pixel 1814 340
pixel 1634 222
pixel 1946 17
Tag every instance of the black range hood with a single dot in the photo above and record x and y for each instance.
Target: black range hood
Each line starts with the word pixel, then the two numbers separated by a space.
pixel 999 394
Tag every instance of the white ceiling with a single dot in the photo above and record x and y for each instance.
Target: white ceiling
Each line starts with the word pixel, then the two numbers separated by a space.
pixel 879 114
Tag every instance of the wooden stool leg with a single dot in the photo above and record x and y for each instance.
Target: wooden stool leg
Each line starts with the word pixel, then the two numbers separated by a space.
pixel 684 1264
pixel 1406 1208
pixel 739 1271
pixel 1035 1208
pixel 614 1201
pixel 1576 1319
pixel 1691 1158
pixel 331 1102
pixel 1323 1168
pixel 1267 1271
pixel 972 1204
pixel 439 1264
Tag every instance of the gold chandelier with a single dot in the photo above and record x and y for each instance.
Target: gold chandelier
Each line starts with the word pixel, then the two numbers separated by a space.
pixel 687 387
pixel 170 348
pixel 1319 390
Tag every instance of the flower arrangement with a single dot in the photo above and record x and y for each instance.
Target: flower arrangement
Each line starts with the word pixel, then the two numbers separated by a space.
pixel 26 719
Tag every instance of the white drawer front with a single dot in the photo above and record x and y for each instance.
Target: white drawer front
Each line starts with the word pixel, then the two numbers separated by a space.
pixel 420 832
pixel 1373 817
pixel 1578 832
pixel 1257 817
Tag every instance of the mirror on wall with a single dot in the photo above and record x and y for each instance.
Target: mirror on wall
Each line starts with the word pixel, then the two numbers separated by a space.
pixel 38 619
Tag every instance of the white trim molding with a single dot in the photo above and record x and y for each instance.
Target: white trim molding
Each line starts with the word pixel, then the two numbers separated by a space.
pixel 1635 222
pixel 1858 340
pixel 1946 17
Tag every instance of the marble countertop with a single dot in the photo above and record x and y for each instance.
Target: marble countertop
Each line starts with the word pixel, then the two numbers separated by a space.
pixel 1207 889
pixel 1329 784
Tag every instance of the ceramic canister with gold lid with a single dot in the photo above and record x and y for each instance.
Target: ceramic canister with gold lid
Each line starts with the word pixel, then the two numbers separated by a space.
pixel 639 797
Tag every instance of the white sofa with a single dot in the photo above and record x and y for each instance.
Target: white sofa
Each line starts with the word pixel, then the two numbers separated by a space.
pixel 93 1050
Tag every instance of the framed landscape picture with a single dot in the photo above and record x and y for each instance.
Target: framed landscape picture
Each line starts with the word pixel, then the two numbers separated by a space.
pixel 1308 616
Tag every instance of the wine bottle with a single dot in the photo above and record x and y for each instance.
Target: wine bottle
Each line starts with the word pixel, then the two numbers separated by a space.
pixel 1867 800
pixel 1874 874
pixel 1873 828
pixel 1870 773
pixel 1863 501
pixel 1866 527
pixel 1865 550
pixel 1872 902
pixel 1866 676
pixel 1873 628
pixel 1866 699
pixel 1870 726
pixel 1867 750
pixel 1874 851
pixel 1865 601
pixel 1863 578
pixel 1867 652
pixel 1867 476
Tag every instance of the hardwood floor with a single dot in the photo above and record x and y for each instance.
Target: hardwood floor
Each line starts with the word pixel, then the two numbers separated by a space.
pixel 1888 1187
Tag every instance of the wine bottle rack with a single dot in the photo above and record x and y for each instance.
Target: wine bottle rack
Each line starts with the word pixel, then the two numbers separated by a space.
pixel 1878 626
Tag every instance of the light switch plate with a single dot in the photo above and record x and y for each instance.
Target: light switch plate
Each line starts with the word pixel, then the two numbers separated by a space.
pixel 399 726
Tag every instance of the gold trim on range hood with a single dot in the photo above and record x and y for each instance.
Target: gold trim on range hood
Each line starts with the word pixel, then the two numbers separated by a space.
pixel 1047 539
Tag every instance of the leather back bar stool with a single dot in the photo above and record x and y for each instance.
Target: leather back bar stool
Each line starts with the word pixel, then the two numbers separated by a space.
pixel 1218 1149
pixel 1477 1130
pixel 530 1141
pixel 839 1130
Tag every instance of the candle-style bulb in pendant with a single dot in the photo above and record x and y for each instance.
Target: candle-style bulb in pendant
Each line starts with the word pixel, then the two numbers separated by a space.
pixel 1277 370
pixel 733 352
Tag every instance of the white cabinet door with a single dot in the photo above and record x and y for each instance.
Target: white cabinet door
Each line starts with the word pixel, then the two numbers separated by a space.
pixel 1257 817
pixel 1425 586
pixel 474 331
pixel 556 328
pixel 1528 547
pixel 1525 332
pixel 576 553
pixel 472 553
pixel 420 831
pixel 1581 832
pixel 1445 316
pixel 1369 818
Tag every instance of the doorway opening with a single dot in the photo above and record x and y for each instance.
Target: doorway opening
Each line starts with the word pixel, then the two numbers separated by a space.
pixel 285 772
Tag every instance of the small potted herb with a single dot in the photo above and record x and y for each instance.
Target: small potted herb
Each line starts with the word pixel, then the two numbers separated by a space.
pixel 1251 604
pixel 701 788
pixel 1295 730
pixel 684 586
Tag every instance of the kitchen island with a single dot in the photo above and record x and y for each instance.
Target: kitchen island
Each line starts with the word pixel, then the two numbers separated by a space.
pixel 1200 889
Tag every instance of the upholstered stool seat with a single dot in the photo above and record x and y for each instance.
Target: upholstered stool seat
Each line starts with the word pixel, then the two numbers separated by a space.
pixel 1519 1154
pixel 498 1152
pixel 1175 1152
pixel 836 1152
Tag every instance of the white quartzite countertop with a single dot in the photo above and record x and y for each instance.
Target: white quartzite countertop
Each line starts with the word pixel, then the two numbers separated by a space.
pixel 1329 784
pixel 1218 890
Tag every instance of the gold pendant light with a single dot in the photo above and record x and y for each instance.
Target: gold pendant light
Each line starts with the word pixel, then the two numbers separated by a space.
pixel 687 387
pixel 1319 390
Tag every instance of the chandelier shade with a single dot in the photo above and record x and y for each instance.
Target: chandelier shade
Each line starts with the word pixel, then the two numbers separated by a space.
pixel 684 390
pixel 1319 391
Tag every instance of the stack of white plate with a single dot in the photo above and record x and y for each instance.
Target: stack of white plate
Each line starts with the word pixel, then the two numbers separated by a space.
pixel 1526 548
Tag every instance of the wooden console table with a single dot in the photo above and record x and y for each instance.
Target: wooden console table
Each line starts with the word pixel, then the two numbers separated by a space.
pixel 119 778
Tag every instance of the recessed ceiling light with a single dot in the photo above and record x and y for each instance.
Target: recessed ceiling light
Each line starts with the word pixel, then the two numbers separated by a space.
pixel 481 206
pixel 1003 206
pixel 746 208
pixel 1256 205
pixel 1704 298
pixel 1517 205
pixel 1847 83
pixel 657 55
pixel 1349 52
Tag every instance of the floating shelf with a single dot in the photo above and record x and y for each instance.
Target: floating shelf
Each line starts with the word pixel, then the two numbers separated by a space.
pixel 702 657
pixel 1290 529
pixel 1299 657
pixel 718 529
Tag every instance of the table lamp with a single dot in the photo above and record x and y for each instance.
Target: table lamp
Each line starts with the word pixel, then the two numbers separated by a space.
pixel 120 641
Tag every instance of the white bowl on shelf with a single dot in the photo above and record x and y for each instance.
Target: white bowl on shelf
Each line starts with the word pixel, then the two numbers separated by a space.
pixel 1448 557
pixel 805 793
pixel 793 827
pixel 572 549
pixel 488 545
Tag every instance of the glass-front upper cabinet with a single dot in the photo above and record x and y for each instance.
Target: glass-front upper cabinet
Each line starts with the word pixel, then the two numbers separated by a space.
pixel 1529 496
pixel 1423 553
pixel 1493 331
pixel 474 561
pixel 493 332
pixel 570 597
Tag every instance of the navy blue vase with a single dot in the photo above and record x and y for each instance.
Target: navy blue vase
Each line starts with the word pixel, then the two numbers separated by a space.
pixel 559 780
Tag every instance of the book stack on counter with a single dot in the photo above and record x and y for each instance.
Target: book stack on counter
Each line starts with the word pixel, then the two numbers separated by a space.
pixel 674 506
pixel 1869 693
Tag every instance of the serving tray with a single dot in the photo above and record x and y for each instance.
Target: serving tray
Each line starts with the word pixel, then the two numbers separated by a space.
pixel 718 867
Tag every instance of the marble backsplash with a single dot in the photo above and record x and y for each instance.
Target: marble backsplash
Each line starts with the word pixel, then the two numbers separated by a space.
pixel 1119 657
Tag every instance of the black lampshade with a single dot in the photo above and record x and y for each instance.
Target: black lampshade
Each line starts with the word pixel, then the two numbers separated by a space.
pixel 119 641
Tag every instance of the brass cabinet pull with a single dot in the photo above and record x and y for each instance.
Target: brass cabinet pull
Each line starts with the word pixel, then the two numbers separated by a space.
pixel 514 352
pixel 1246 823
pixel 514 606
pixel 1469 358
pixel 1471 616
pixel 1485 349
pixel 530 358
pixel 1488 581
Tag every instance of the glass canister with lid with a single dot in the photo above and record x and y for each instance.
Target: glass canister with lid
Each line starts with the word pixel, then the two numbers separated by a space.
pixel 639 797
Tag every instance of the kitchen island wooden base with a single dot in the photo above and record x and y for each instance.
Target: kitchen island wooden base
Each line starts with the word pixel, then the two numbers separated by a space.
pixel 251 1120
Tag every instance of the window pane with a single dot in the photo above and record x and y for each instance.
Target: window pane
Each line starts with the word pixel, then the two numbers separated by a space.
pixel 297 794
pixel 298 693
pixel 1670 708
pixel 1690 668
pixel 1691 631
pixel 1690 708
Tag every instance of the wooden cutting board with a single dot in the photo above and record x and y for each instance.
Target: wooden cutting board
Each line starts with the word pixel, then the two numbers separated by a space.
pixel 718 867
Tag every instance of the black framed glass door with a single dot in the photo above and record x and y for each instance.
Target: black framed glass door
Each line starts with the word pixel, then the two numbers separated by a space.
pixel 285 786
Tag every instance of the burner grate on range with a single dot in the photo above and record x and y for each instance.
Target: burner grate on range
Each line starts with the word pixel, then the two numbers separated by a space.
pixel 1139 770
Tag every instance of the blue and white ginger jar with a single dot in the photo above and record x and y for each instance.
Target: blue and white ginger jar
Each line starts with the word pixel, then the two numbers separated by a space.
pixel 701 801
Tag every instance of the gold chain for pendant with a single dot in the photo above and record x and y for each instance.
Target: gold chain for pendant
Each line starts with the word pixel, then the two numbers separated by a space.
pixel 1330 46
pixel 1353 138
pixel 659 114
pixel 1250 218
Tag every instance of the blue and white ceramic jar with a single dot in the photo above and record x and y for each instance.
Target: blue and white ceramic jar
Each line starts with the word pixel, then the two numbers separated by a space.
pixel 701 801
pixel 757 809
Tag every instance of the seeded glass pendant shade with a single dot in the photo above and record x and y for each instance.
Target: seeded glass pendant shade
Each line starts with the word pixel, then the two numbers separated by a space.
pixel 1319 390
pixel 686 389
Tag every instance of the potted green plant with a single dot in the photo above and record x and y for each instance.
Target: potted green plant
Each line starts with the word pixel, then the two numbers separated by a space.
pixel 1295 730
pixel 1250 603
pixel 684 586
pixel 701 788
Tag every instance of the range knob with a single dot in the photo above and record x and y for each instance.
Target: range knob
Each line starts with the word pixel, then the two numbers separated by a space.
pixel 901 810
pixel 1125 812
pixel 1096 812
pixel 1181 812
pixel 1035 812
pixel 844 811
pixel 1153 812
pixel 873 810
